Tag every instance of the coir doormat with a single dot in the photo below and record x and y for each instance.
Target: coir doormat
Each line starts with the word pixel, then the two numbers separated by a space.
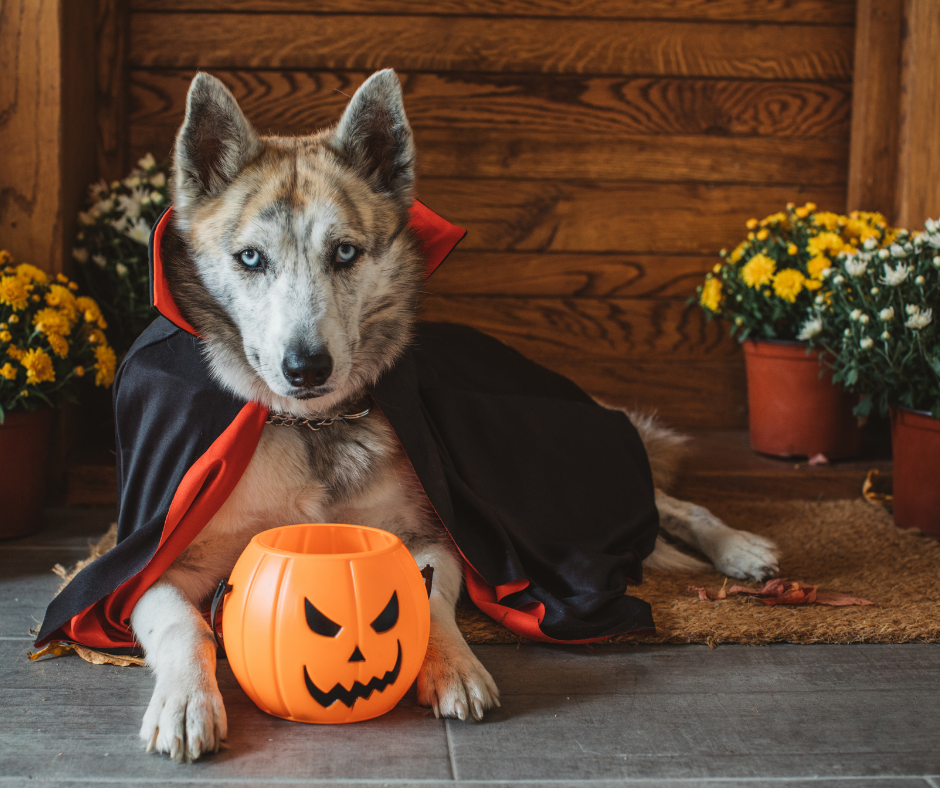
pixel 851 547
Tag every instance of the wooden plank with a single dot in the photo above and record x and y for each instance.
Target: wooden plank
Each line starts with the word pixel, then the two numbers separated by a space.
pixel 919 132
pixel 568 275
pixel 875 108
pixel 298 102
pixel 610 217
pixel 539 45
pixel 30 132
pixel 452 153
pixel 608 330
pixel 833 12
pixel 112 93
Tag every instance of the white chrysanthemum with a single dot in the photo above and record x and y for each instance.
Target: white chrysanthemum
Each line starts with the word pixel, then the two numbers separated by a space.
pixel 148 162
pixel 838 279
pixel 895 276
pixel 80 254
pixel 936 261
pixel 875 291
pixel 870 244
pixel 130 203
pixel 919 280
pixel 98 259
pixel 897 250
pixel 884 254
pixel 863 319
pixel 820 300
pixel 810 328
pixel 855 314
pixel 98 190
pixel 920 319
pixel 847 332
pixel 866 343
pixel 887 314
pixel 103 206
pixel 855 267
pixel 119 224
pixel 158 180
pixel 139 231
pixel 931 225
pixel 132 181
pixel 885 335
pixel 86 218
pixel 121 269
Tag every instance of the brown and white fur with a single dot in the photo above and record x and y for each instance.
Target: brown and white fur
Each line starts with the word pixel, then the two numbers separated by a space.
pixel 258 260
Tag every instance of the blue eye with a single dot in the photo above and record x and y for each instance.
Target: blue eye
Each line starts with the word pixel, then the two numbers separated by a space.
pixel 250 258
pixel 346 254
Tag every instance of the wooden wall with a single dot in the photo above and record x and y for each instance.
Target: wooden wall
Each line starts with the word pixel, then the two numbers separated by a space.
pixel 600 152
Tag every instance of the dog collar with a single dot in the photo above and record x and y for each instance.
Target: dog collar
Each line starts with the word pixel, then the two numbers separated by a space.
pixel 364 405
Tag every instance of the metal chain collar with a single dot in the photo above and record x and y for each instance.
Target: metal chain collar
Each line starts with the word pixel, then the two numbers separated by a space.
pixel 283 420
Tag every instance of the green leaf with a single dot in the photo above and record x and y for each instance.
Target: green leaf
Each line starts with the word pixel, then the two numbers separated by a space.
pixel 864 406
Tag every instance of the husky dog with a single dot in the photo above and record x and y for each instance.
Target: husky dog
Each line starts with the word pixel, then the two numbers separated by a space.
pixel 292 258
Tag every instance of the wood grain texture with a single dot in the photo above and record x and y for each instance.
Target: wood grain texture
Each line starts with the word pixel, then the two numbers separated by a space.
pixel 607 330
pixel 297 102
pixel 833 12
pixel 30 105
pixel 569 275
pixel 423 43
pixel 876 103
pixel 918 184
pixel 112 91
pixel 610 217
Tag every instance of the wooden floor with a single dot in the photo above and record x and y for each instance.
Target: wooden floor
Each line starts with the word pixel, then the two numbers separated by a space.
pixel 721 464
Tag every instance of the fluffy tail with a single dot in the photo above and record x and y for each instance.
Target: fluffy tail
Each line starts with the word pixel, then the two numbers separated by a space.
pixel 666 448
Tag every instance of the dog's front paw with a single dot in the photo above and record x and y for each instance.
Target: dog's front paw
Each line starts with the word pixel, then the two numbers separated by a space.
pixel 185 723
pixel 456 685
pixel 746 556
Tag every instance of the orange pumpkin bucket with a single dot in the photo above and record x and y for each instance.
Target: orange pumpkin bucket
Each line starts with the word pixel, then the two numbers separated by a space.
pixel 326 623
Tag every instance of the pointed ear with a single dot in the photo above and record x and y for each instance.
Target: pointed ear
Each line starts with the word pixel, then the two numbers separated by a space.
pixel 374 137
pixel 213 144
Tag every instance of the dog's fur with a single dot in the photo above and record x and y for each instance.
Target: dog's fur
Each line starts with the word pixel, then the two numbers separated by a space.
pixel 304 333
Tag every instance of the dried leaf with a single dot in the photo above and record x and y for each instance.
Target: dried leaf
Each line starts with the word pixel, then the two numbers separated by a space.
pixel 869 493
pixel 54 649
pixel 59 649
pixel 781 591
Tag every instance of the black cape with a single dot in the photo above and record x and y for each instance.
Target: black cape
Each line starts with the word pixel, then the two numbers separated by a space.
pixel 547 496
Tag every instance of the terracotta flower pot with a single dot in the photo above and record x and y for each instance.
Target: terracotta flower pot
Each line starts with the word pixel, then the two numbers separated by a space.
pixel 915 440
pixel 24 460
pixel 792 410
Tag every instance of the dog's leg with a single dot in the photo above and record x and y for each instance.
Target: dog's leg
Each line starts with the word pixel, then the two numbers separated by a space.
pixel 739 554
pixel 186 717
pixel 452 681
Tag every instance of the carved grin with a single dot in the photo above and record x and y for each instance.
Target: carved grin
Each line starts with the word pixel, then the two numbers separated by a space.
pixel 358 690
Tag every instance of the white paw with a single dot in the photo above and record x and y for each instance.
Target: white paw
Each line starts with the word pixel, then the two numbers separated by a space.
pixel 744 555
pixel 456 685
pixel 185 724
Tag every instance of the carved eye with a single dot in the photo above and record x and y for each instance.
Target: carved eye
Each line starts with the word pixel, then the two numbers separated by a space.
pixel 321 624
pixel 346 255
pixel 250 258
pixel 388 617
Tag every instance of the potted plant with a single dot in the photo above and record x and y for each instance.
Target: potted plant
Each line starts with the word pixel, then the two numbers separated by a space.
pixel 49 338
pixel 880 330
pixel 112 247
pixel 767 288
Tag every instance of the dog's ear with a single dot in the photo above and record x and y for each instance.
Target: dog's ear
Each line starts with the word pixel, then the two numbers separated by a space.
pixel 374 137
pixel 213 144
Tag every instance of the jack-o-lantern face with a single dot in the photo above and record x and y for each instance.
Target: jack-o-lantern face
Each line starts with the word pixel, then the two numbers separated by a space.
pixel 326 623
pixel 327 628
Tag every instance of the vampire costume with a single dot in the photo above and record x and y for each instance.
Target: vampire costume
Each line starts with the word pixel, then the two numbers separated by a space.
pixel 547 496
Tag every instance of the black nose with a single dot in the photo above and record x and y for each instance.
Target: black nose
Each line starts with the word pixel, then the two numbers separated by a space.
pixel 307 369
pixel 357 656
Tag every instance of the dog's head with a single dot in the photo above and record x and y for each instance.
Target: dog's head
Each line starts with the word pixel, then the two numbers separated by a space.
pixel 292 256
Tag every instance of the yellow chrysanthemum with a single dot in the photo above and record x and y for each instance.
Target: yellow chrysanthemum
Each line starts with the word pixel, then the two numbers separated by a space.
pixel 52 321
pixel 5 336
pixel 5 257
pixel 788 283
pixel 763 234
pixel 90 309
pixel 826 243
pixel 61 297
pixel 14 318
pixel 96 337
pixel 858 230
pixel 812 284
pixel 802 213
pixel 791 249
pixel 31 273
pixel 105 362
pixel 79 372
pixel 38 367
pixel 779 218
pixel 751 224
pixel 15 353
pixel 59 345
pixel 828 220
pixel 14 292
pixel 759 270
pixel 8 371
pixel 738 252
pixel 817 265
pixel 711 295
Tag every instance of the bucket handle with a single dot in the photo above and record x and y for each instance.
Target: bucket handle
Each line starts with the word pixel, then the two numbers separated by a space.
pixel 223 588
